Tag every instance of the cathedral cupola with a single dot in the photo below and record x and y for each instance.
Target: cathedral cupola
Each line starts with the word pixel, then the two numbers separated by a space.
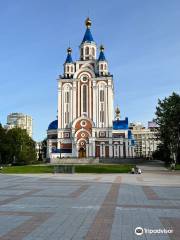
pixel 69 65
pixel 117 112
pixel 88 46
pixel 102 63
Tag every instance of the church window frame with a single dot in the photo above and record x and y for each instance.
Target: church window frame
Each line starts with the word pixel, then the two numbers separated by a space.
pixel 84 78
pixel 86 50
pixel 67 97
pixel 83 123
pixel 93 52
pixel 101 95
pixel 102 112
pixel 67 104
pixel 84 98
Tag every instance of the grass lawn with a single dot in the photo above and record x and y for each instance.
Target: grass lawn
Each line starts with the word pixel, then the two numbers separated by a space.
pixel 177 167
pixel 99 168
pixel 104 168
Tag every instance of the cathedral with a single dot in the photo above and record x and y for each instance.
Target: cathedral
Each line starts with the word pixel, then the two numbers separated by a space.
pixel 85 125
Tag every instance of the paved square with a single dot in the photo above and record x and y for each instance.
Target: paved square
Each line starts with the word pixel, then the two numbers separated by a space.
pixel 89 206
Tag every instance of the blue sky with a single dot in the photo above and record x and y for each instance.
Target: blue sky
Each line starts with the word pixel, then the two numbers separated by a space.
pixel 142 46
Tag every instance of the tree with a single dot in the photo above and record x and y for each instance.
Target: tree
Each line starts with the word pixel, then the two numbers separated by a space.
pixel 44 148
pixel 22 146
pixel 168 119
pixel 16 147
pixel 3 145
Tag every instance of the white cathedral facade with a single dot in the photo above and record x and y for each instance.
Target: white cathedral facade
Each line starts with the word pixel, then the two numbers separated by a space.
pixel 85 126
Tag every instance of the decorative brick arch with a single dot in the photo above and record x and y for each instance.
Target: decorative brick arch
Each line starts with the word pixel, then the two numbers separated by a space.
pixel 77 123
pixel 84 71
pixel 82 133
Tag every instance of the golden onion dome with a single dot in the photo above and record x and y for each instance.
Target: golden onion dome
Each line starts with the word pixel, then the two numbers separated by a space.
pixel 88 22
pixel 117 111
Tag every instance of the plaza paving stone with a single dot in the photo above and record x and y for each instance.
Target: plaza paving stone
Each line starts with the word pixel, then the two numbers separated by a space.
pixel 89 206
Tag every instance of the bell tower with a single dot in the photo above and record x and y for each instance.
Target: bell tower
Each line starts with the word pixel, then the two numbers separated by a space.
pixel 88 46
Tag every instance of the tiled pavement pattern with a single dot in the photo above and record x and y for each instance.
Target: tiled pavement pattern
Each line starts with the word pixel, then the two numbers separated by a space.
pixel 89 206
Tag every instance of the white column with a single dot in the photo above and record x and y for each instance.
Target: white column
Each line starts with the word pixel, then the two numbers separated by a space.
pixel 90 149
pixel 106 106
pixel 49 148
pixel 78 93
pixel 130 151
pixel 103 150
pixel 62 110
pixel 118 150
pixel 58 144
pixel 59 105
pixel 126 148
pixel 114 150
pixel 73 149
pixel 74 101
pixel 121 151
pixel 94 149
pixel 89 102
pixel 110 149
pixel 94 103
pixel 87 150
pixel 110 102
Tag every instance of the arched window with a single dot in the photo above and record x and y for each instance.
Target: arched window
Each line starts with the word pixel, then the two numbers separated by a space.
pixel 71 68
pixel 67 114
pixel 67 100
pixel 102 113
pixel 67 68
pixel 93 52
pixel 101 66
pixel 105 67
pixel 81 52
pixel 86 50
pixel 101 95
pixel 84 98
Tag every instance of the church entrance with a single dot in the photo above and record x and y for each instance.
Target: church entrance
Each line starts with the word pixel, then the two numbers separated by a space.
pixel 82 152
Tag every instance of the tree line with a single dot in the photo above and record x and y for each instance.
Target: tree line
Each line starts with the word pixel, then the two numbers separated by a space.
pixel 16 147
pixel 168 121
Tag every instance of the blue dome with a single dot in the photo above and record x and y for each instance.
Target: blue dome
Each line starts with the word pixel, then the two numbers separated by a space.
pixel 53 125
pixel 87 36
pixel 69 58
pixel 120 124
pixel 101 56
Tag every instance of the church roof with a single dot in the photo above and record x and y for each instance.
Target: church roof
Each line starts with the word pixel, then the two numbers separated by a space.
pixel 101 56
pixel 69 58
pixel 120 124
pixel 53 125
pixel 88 36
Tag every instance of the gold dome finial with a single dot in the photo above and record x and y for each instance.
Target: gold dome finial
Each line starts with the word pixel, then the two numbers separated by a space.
pixel 117 111
pixel 88 22
pixel 69 50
